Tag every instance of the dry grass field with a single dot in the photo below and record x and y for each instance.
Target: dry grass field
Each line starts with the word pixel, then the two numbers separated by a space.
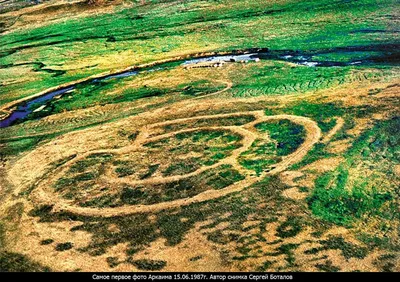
pixel 212 135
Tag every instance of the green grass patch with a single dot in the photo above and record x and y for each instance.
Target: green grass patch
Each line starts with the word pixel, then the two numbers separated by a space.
pixel 290 228
pixel 327 266
pixel 348 250
pixel 186 26
pixel 107 200
pixel 226 177
pixel 336 200
pixel 151 170
pixel 187 166
pixel 123 171
pixel 323 113
pixel 316 153
pixel 279 78
pixel 343 206
pixel 288 135
pixel 132 196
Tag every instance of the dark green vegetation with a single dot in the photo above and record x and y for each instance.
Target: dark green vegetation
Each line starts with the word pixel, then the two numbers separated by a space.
pixel 123 171
pixel 2 235
pixel 327 267
pixel 15 146
pixel 342 206
pixel 13 262
pixel 151 170
pixel 266 226
pixel 324 114
pixel 316 153
pixel 80 173
pixel 83 178
pixel 224 178
pixel 88 95
pixel 349 250
pixel 186 26
pixel 46 242
pixel 348 196
pixel 64 246
pixel 208 146
pixel 279 78
pixel 218 178
pixel 260 156
pixel 287 135
pixel 149 265
pixel 290 228
pixel 233 210
pixel 385 262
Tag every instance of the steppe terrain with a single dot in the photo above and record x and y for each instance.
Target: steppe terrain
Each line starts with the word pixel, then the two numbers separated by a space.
pixel 199 135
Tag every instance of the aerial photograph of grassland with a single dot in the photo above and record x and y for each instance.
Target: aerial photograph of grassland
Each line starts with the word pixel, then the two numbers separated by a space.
pixel 200 135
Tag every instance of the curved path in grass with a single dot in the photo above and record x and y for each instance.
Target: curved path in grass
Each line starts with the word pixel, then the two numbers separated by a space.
pixel 42 195
pixel 339 124
pixel 7 109
pixel 43 181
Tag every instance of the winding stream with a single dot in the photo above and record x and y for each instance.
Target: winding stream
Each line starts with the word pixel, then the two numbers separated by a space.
pixel 22 110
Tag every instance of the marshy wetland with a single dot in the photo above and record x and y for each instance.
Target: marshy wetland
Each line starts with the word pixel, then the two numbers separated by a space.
pixel 200 136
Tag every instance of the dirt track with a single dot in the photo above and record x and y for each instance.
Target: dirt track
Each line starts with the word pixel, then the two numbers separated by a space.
pixel 42 195
pixel 335 129
pixel 33 168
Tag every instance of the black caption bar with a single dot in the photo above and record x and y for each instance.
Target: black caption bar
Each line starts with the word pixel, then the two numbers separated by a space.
pixel 192 276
